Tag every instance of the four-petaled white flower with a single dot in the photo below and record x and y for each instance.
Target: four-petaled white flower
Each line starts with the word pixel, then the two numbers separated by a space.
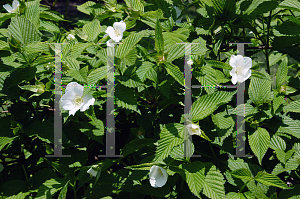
pixel 73 100
pixel 158 176
pixel 70 37
pixel 92 172
pixel 116 32
pixel 193 129
pixel 240 68
pixel 190 62
pixel 12 8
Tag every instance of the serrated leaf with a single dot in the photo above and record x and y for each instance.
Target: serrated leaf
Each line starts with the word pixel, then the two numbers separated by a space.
pixel 50 187
pixel 282 72
pixel 145 70
pixel 48 26
pixel 259 90
pixel 207 104
pixel 159 41
pixel 207 78
pixel 128 43
pixel 23 30
pixel 63 192
pixel 292 107
pixel 175 72
pixel 218 64
pixel 96 75
pixel 169 138
pixel 259 142
pixel 32 13
pixel 92 29
pixel 125 98
pixel 270 180
pixel 242 174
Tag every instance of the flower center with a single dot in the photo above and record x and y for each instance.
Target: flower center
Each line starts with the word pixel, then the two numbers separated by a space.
pixel 160 172
pixel 117 32
pixel 239 70
pixel 77 101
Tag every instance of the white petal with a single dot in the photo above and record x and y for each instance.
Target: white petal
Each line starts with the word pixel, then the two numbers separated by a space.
pixel 92 172
pixel 240 78
pixel 234 79
pixel 156 179
pixel 15 4
pixel 7 7
pixel 120 26
pixel 247 62
pixel 233 61
pixel 75 87
pixel 240 60
pixel 232 72
pixel 118 38
pixel 247 74
pixel 74 110
pixel 111 43
pixel 110 31
pixel 87 101
pixel 153 182
pixel 67 100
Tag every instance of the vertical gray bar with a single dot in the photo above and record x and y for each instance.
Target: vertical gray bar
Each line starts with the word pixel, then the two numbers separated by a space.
pixel 57 111
pixel 240 126
pixel 110 119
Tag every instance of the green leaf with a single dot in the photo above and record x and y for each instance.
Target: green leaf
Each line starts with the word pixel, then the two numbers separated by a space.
pixel 277 143
pixel 85 7
pixel 282 72
pixel 270 180
pixel 128 43
pixel 242 174
pixel 290 193
pixel 136 5
pixel 244 195
pixel 218 64
pixel 48 26
pixel 292 107
pixel 135 145
pixel 175 72
pixel 92 29
pixel 23 30
pixel 96 75
pixel 50 15
pixel 159 40
pixel 207 104
pixel 259 90
pixel 222 120
pixel 20 195
pixel 32 13
pixel 63 192
pixel 4 45
pixel 50 187
pixel 78 48
pixel 207 78
pixel 169 138
pixel 258 7
pixel 146 70
pixel 36 47
pixel 5 140
pixel 19 75
pixel 259 142
pixel 125 98
pixel 290 4
pixel 144 166
pixel 212 185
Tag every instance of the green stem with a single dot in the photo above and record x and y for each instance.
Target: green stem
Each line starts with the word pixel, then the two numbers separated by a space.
pixel 25 173
pixel 243 187
pixel 267 43
pixel 210 146
pixel 75 195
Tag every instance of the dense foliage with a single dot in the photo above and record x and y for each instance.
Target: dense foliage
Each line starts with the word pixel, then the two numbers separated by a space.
pixel 149 100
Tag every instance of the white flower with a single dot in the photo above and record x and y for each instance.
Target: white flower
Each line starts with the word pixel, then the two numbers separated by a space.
pixel 240 68
pixel 116 32
pixel 70 37
pixel 12 9
pixel 194 129
pixel 92 172
pixel 158 176
pixel 72 100
pixel 190 62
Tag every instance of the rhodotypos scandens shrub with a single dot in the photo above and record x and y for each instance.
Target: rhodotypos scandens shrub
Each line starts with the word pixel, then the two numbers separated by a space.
pixel 150 99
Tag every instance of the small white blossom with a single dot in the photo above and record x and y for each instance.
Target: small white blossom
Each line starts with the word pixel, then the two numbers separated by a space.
pixel 12 9
pixel 73 100
pixel 70 37
pixel 92 172
pixel 158 176
pixel 116 32
pixel 240 68
pixel 190 62
pixel 193 129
